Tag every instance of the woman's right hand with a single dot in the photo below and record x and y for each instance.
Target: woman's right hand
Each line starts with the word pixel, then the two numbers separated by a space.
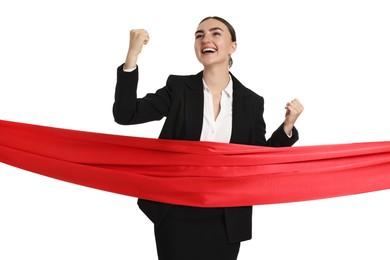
pixel 138 38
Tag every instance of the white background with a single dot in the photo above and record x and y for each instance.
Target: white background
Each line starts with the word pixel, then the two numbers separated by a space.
pixel 58 63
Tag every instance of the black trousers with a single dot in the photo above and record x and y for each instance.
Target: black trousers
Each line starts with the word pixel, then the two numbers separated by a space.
pixel 188 233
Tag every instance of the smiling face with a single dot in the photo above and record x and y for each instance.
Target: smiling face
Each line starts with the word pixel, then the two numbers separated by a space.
pixel 213 43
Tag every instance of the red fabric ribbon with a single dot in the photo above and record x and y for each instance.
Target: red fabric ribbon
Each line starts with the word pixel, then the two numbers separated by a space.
pixel 192 173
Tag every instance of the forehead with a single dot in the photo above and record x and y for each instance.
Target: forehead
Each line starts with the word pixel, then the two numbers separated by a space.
pixel 212 24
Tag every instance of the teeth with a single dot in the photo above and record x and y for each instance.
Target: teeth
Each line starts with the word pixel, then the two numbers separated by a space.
pixel 208 50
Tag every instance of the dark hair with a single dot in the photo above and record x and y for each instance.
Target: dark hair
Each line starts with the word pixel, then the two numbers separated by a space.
pixel 230 28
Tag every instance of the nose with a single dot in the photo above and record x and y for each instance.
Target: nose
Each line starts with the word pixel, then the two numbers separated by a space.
pixel 206 38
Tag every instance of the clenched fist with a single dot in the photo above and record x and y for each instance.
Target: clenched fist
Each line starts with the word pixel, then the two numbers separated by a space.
pixel 293 110
pixel 138 38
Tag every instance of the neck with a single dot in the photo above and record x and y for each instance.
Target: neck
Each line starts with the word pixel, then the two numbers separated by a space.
pixel 216 78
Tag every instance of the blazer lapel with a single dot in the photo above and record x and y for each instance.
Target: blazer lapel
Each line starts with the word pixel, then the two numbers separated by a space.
pixel 194 107
pixel 240 113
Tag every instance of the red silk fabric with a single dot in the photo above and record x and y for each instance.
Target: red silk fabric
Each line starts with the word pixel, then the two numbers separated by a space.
pixel 192 173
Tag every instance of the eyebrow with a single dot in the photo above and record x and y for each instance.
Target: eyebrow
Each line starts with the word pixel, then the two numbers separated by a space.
pixel 211 29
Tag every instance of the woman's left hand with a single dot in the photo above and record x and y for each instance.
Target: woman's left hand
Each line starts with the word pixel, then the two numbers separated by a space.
pixel 293 110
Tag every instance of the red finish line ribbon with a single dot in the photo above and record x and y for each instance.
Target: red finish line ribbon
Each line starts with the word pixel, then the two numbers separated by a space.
pixel 192 173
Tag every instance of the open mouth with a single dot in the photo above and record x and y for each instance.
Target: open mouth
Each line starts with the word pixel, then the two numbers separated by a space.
pixel 209 50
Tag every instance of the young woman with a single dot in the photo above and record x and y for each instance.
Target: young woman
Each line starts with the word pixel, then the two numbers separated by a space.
pixel 209 106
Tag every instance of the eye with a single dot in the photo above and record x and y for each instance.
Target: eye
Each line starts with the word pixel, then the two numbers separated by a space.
pixel 198 36
pixel 216 33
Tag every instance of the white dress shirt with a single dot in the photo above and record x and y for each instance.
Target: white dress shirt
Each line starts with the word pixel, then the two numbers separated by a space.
pixel 219 129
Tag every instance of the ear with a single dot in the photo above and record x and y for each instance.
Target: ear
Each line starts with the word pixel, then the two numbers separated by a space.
pixel 233 47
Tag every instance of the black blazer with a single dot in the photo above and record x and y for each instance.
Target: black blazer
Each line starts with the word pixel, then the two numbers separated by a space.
pixel 181 102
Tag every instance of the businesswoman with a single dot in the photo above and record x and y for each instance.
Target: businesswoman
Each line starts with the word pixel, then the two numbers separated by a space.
pixel 209 106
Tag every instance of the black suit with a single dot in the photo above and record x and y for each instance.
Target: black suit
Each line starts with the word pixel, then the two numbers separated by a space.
pixel 181 102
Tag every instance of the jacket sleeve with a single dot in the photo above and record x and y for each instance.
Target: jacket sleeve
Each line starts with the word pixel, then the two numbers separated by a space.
pixel 280 139
pixel 129 109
